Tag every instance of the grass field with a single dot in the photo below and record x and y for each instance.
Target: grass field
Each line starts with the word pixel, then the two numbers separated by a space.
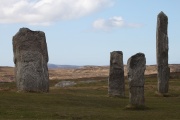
pixel 88 102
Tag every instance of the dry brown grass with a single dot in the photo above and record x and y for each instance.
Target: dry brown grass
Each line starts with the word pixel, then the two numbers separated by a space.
pixel 7 73
pixel 98 71
pixel 85 72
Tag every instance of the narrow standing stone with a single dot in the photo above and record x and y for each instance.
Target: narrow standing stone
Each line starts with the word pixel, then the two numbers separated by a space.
pixel 135 67
pixel 116 75
pixel 30 58
pixel 163 69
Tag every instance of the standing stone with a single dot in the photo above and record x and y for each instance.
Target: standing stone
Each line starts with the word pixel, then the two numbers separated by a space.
pixel 116 75
pixel 30 58
pixel 136 67
pixel 163 70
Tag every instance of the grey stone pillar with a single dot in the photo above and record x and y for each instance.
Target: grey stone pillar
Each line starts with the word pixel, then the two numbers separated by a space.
pixel 30 58
pixel 135 68
pixel 116 75
pixel 163 69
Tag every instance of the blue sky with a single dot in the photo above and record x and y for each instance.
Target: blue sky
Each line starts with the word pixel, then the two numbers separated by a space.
pixel 84 32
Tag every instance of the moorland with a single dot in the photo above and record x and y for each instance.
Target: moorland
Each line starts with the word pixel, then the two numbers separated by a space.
pixel 87 101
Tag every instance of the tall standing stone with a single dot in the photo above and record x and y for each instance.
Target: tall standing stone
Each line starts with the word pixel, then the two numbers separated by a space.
pixel 163 70
pixel 135 68
pixel 30 58
pixel 116 75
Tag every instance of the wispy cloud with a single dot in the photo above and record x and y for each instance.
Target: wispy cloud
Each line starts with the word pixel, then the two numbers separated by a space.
pixel 113 23
pixel 45 12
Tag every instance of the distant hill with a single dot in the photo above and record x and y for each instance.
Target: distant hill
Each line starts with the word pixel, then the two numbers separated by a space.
pixel 74 72
pixel 51 66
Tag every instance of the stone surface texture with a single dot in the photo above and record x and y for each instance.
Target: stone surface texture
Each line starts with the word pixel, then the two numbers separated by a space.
pixel 30 58
pixel 163 70
pixel 136 67
pixel 116 75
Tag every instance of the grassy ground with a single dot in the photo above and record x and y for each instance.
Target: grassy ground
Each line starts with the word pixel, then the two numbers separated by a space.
pixel 88 102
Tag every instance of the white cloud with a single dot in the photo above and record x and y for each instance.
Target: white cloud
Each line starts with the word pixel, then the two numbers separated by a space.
pixel 45 12
pixel 112 23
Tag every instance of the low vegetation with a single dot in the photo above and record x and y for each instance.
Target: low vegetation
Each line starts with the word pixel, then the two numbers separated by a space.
pixel 88 101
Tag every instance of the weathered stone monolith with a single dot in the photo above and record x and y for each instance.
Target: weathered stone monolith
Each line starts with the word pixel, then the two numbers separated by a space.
pixel 116 75
pixel 163 70
pixel 135 68
pixel 30 58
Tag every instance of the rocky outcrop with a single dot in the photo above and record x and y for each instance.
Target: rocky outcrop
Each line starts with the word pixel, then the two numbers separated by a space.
pixel 30 58
pixel 163 70
pixel 116 75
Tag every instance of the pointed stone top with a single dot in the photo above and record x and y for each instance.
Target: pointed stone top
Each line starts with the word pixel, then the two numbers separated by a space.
pixel 162 23
pixel 162 14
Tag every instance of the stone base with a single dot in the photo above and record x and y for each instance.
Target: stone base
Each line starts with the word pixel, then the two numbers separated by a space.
pixel 162 94
pixel 136 96
pixel 118 96
pixel 115 93
pixel 136 107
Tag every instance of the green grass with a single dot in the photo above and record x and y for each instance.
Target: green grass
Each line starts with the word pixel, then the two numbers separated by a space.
pixel 88 102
